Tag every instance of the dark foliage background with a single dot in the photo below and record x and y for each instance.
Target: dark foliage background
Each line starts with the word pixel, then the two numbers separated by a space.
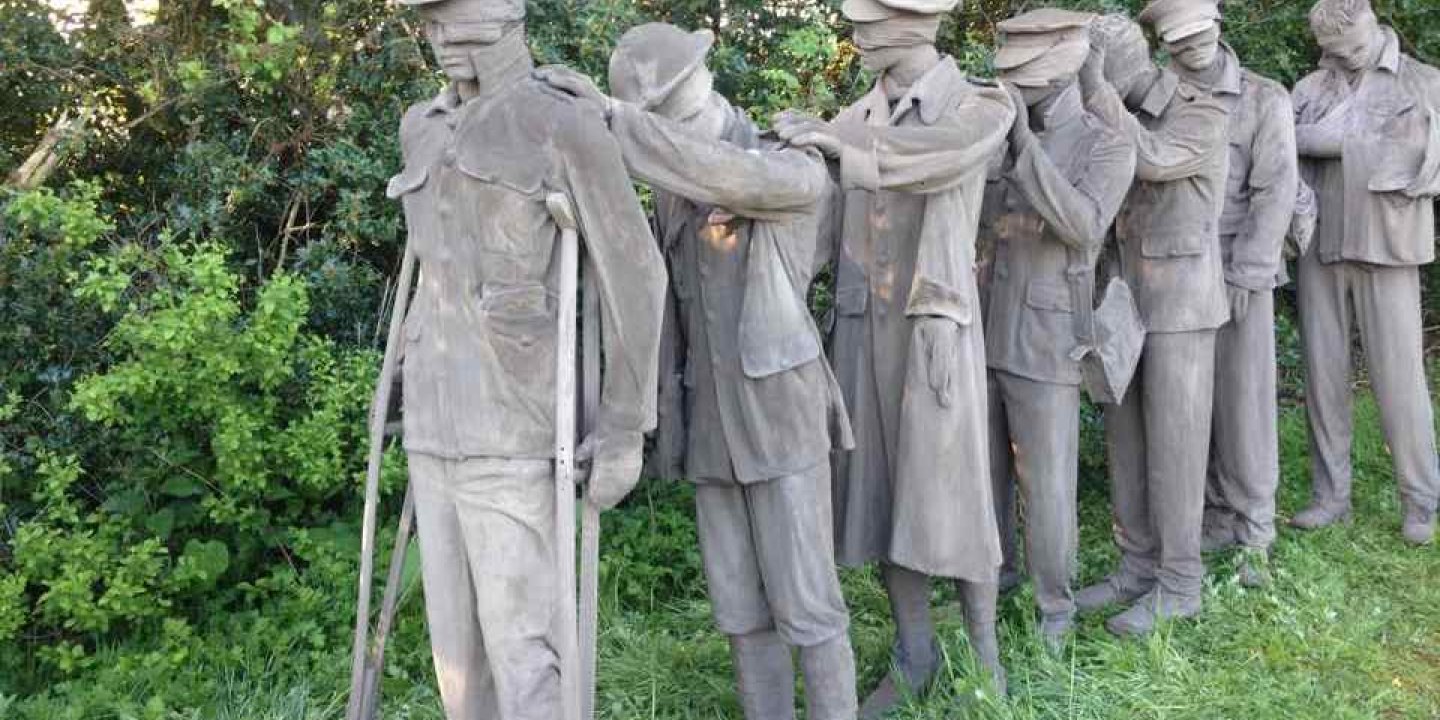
pixel 191 308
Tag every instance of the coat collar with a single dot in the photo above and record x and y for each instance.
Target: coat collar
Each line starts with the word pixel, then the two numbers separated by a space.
pixel 1067 108
pixel 1160 93
pixel 447 102
pixel 934 93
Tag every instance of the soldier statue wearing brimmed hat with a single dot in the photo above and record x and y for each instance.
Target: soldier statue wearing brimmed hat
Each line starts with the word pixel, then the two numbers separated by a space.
pixel 479 373
pixel 908 346
pixel 1047 213
pixel 1169 253
pixel 1370 148
pixel 739 219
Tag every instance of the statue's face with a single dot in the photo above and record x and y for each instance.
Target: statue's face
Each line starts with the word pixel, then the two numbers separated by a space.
pixel 690 105
pixel 457 34
pixel 1355 49
pixel 1196 52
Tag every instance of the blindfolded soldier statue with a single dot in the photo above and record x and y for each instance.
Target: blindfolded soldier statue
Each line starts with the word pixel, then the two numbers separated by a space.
pixel 480 339
pixel 1169 244
pixel 1369 140
pixel 1047 214
pixel 739 218
pixel 1244 470
pixel 908 346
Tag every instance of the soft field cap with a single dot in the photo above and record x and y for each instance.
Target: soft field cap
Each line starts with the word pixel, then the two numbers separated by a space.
pixel 1029 37
pixel 877 10
pixel 651 60
pixel 1178 19
pixel 474 10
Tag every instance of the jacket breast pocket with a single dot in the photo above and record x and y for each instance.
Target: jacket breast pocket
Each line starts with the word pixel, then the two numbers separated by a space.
pixel 851 301
pixel 1049 296
pixel 1181 241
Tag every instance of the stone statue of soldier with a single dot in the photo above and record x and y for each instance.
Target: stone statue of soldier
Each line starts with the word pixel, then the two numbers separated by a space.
pixel 907 345
pixel 1260 198
pixel 739 219
pixel 1045 219
pixel 1369 142
pixel 480 341
pixel 1170 255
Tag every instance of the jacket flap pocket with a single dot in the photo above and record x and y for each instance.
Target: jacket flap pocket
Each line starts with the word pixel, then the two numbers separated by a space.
pixel 406 182
pixel 515 303
pixel 852 300
pixel 1180 241
pixel 1048 295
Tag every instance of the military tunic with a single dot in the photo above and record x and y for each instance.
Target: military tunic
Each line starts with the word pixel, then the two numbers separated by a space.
pixel 479 368
pixel 759 396
pixel 1244 471
pixel 1375 228
pixel 908 345
pixel 1046 216
pixel 1168 234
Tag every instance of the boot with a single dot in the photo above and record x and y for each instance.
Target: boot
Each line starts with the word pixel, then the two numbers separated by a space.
pixel 1318 516
pixel 1119 588
pixel 1253 568
pixel 1419 526
pixel 1055 630
pixel 910 677
pixel 1148 611
pixel 764 676
pixel 980 600
pixel 829 670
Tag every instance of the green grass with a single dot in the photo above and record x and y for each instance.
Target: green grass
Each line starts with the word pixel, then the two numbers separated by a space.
pixel 1350 628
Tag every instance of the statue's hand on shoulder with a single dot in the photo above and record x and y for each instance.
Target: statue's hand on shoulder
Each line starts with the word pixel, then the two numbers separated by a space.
pixel 615 461
pixel 574 82
pixel 800 129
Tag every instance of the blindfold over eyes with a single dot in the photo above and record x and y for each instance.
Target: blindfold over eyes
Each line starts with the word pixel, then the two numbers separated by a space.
pixel 482 32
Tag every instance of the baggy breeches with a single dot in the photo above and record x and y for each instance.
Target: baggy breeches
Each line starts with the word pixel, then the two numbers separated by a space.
pixel 769 557
pixel 486 528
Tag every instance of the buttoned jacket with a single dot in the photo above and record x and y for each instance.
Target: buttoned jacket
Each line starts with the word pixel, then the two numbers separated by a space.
pixel 1376 200
pixel 1047 213
pixel 480 335
pixel 1168 229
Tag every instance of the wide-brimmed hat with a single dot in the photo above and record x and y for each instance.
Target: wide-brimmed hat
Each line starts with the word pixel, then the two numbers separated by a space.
pixel 651 60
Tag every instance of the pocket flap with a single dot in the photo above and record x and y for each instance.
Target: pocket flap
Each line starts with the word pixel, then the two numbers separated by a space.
pixel 1176 242
pixel 1046 295
pixel 406 182
pixel 852 300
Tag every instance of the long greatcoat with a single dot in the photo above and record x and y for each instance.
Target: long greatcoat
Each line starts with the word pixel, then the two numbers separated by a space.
pixel 908 347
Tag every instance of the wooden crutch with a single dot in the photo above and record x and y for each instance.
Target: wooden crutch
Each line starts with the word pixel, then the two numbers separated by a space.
pixel 563 213
pixel 364 664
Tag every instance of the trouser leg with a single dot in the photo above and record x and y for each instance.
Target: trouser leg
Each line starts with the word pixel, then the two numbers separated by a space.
pixel 1179 372
pixel 467 689
pixel 979 601
pixel 507 512
pixel 909 594
pixel 1002 478
pixel 790 517
pixel 1387 305
pixel 764 675
pixel 1329 406
pixel 1044 429
pixel 1130 502
pixel 764 671
pixel 1245 455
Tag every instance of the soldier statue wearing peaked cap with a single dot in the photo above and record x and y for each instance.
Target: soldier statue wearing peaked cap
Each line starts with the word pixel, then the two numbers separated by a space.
pixel 1047 213
pixel 479 367
pixel 908 346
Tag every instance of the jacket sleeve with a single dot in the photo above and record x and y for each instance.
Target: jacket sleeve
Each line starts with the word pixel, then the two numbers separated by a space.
pixel 1187 143
pixel 630 274
pixel 930 158
pixel 1427 181
pixel 1274 181
pixel 1312 103
pixel 757 184
pixel 1080 213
